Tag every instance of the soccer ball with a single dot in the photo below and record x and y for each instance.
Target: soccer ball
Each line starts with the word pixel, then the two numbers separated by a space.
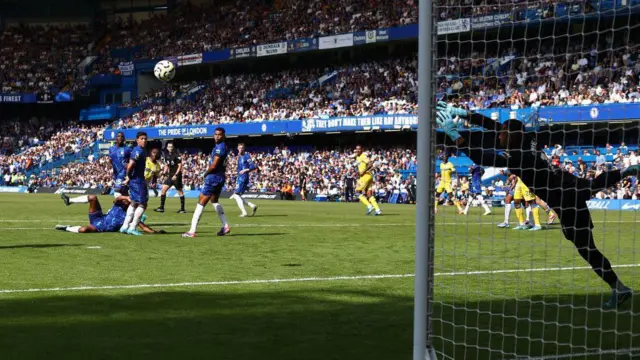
pixel 164 70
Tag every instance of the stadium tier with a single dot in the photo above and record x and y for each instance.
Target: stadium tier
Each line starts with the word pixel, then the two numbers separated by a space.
pixel 265 153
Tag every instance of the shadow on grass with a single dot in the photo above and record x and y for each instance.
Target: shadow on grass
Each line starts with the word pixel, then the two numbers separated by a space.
pixel 295 324
pixel 36 246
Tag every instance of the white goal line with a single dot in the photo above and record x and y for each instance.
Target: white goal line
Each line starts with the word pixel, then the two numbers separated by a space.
pixel 594 352
pixel 292 280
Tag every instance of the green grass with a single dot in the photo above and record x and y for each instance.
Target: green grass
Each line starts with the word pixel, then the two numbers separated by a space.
pixel 486 315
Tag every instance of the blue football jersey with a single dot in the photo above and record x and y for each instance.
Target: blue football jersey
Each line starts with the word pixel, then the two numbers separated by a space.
pixel 139 156
pixel 245 162
pixel 220 150
pixel 119 156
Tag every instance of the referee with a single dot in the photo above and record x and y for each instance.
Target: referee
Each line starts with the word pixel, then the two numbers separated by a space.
pixel 172 166
pixel 564 192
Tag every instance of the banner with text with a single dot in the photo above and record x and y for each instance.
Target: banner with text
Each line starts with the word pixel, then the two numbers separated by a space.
pixel 361 123
pixel 454 26
pixel 126 68
pixel 597 204
pixel 487 21
pixel 567 114
pixel 242 52
pixel 336 41
pixel 200 131
pixel 272 49
pixel 300 45
pixel 370 36
pixel 192 59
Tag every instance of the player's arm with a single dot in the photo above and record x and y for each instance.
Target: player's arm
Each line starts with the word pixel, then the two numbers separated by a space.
pixel 215 164
pixel 130 166
pixel 367 168
pixel 149 230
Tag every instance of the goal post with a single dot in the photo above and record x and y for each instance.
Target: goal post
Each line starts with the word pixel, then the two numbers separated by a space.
pixel 568 69
pixel 422 346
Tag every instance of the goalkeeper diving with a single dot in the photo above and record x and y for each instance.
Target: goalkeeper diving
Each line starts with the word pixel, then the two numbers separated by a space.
pixel 507 145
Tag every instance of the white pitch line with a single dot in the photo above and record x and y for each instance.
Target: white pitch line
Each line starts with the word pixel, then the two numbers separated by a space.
pixel 308 279
pixel 595 352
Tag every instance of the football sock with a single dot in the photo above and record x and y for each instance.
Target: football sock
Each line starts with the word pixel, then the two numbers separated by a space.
pixel 196 218
pixel 182 202
pixel 240 203
pixel 163 198
pixel 84 199
pixel 466 208
pixel 507 212
pixel 485 207
pixel 436 204
pixel 136 218
pixel 129 217
pixel 374 203
pixel 220 210
pixel 244 201
pixel 520 215
pixel 73 229
pixel 528 210
pixel 458 205
pixel 363 199
pixel 536 214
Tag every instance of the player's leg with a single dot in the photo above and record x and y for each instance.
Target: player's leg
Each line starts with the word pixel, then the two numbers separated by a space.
pixel 518 205
pixel 220 211
pixel 577 227
pixel 453 198
pixel 205 195
pixel 535 211
pixel 141 198
pixel 438 194
pixel 484 205
pixel 178 185
pixel 551 216
pixel 361 189
pixel 470 197
pixel 507 210
pixel 163 195
pixel 84 199
pixel 137 216
pixel 372 199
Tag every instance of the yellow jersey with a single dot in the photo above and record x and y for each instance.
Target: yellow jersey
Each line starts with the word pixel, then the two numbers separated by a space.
pixel 151 169
pixel 446 169
pixel 363 162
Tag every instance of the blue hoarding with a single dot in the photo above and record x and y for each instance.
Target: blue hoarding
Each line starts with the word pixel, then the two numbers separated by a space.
pixel 243 52
pixel 361 123
pixel 198 131
pixel 215 56
pixel 566 114
pixel 301 45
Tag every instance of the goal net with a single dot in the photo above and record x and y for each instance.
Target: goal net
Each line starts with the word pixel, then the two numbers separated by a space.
pixel 516 277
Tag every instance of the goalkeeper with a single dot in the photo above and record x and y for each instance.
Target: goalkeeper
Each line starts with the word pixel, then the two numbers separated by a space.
pixel 564 192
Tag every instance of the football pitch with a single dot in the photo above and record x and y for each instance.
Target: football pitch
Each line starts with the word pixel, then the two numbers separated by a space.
pixel 304 281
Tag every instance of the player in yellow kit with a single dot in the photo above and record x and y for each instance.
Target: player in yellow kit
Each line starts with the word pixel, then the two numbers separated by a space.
pixel 446 171
pixel 365 182
pixel 521 194
pixel 152 170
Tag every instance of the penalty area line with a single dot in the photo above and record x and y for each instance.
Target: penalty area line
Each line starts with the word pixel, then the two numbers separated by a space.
pixel 293 280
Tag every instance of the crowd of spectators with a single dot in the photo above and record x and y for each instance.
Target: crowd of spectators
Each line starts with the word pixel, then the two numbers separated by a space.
pixel 41 59
pixel 388 87
pixel 329 172
pixel 192 29
pixel 70 140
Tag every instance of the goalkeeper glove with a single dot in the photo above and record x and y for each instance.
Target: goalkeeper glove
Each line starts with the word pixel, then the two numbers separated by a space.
pixel 446 123
pixel 454 111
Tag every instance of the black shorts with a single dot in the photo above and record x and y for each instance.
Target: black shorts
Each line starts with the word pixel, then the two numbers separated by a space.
pixel 177 183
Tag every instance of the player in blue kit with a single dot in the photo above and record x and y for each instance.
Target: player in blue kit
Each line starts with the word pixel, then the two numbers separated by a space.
pixel 214 179
pixel 245 165
pixel 119 155
pixel 100 222
pixel 138 191
pixel 475 190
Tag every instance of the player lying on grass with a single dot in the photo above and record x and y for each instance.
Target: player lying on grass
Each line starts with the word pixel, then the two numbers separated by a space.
pixel 100 222
pixel 564 192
